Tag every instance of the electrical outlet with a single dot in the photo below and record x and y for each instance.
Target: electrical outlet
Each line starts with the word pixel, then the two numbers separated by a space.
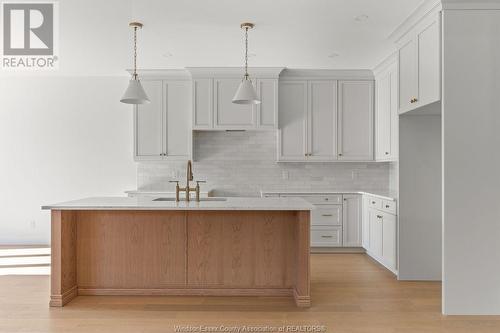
pixel 285 174
pixel 32 224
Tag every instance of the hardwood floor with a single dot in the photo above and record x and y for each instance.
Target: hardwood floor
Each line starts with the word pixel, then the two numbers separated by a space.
pixel 350 293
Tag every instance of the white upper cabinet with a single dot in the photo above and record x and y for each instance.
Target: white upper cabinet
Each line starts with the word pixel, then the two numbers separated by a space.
pixel 352 220
pixel 292 121
pixel 267 110
pixel 148 123
pixel 408 80
pixel 229 115
pixel 213 92
pixel 320 118
pixel 162 127
pixel 386 114
pixel 322 121
pixel 202 103
pixel 419 64
pixel 355 121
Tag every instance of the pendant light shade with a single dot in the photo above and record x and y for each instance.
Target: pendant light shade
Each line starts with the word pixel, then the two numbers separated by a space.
pixel 246 92
pixel 135 93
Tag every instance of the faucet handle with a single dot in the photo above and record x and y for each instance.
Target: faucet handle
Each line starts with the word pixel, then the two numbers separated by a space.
pixel 174 181
pixel 200 181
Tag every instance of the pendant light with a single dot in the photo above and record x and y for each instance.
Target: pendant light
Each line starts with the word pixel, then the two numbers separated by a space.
pixel 246 93
pixel 135 93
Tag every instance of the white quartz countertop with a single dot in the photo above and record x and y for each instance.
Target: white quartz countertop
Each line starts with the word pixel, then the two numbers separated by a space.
pixel 380 194
pixel 147 203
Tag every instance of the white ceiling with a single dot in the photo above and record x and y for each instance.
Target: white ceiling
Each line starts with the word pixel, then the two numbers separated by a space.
pixel 289 33
pixel 95 39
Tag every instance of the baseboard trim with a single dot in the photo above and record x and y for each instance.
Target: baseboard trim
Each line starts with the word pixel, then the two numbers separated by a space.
pixel 301 301
pixel 66 297
pixel 337 250
pixel 187 292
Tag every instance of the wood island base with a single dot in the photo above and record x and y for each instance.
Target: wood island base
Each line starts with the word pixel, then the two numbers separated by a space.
pixel 176 252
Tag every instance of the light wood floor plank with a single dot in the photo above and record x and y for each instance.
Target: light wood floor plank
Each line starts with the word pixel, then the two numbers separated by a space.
pixel 350 293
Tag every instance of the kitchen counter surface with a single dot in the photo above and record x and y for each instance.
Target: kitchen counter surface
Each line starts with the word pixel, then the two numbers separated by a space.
pixel 147 203
pixel 380 194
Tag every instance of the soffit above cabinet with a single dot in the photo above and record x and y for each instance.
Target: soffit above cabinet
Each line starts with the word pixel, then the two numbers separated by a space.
pixel 235 72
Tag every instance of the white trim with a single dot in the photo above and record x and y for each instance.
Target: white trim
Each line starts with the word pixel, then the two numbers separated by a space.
pixel 234 72
pixel 471 4
pixel 327 74
pixel 411 21
pixel 386 63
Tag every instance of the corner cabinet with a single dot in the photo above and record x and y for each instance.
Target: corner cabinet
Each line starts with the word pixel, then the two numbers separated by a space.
pixel 386 114
pixel 213 92
pixel 419 64
pixel 162 128
pixel 325 120
pixel 379 235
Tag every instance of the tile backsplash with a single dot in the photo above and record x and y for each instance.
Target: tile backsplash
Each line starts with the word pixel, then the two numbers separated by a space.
pixel 243 163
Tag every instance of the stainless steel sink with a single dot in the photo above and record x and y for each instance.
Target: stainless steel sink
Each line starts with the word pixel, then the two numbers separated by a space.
pixel 192 200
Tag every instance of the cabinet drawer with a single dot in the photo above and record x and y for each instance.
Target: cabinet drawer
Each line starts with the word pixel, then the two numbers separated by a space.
pixel 374 202
pixel 389 206
pixel 327 215
pixel 324 199
pixel 326 236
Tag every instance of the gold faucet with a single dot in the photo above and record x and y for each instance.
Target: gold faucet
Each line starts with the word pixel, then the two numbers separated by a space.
pixel 188 188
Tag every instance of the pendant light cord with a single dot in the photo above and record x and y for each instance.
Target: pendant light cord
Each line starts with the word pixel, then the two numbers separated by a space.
pixel 246 53
pixel 135 54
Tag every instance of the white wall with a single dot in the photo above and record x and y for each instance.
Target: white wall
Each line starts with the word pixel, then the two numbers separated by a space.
pixel 420 196
pixel 471 145
pixel 61 138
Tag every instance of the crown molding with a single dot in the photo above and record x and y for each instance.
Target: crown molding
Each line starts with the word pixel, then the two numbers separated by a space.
pixel 171 74
pixel 427 7
pixel 388 61
pixel 235 72
pixel 332 74
pixel 471 4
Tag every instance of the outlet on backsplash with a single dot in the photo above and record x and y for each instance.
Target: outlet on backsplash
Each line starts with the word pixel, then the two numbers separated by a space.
pixel 285 175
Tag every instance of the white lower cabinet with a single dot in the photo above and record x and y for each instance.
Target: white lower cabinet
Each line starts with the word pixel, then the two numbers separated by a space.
pixel 380 240
pixel 352 226
pixel 326 236
pixel 336 220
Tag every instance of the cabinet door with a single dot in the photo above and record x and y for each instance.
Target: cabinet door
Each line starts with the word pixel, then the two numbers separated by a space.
pixel 389 240
pixel 149 123
pixel 202 103
pixel 322 121
pixel 178 106
pixel 365 229
pixel 352 220
pixel 383 117
pixel 267 110
pixel 375 224
pixel 229 115
pixel 292 121
pixel 355 121
pixel 407 75
pixel 386 115
pixel 429 72
pixel 394 149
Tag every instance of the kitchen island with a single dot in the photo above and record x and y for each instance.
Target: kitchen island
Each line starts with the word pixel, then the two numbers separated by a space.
pixel 215 247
